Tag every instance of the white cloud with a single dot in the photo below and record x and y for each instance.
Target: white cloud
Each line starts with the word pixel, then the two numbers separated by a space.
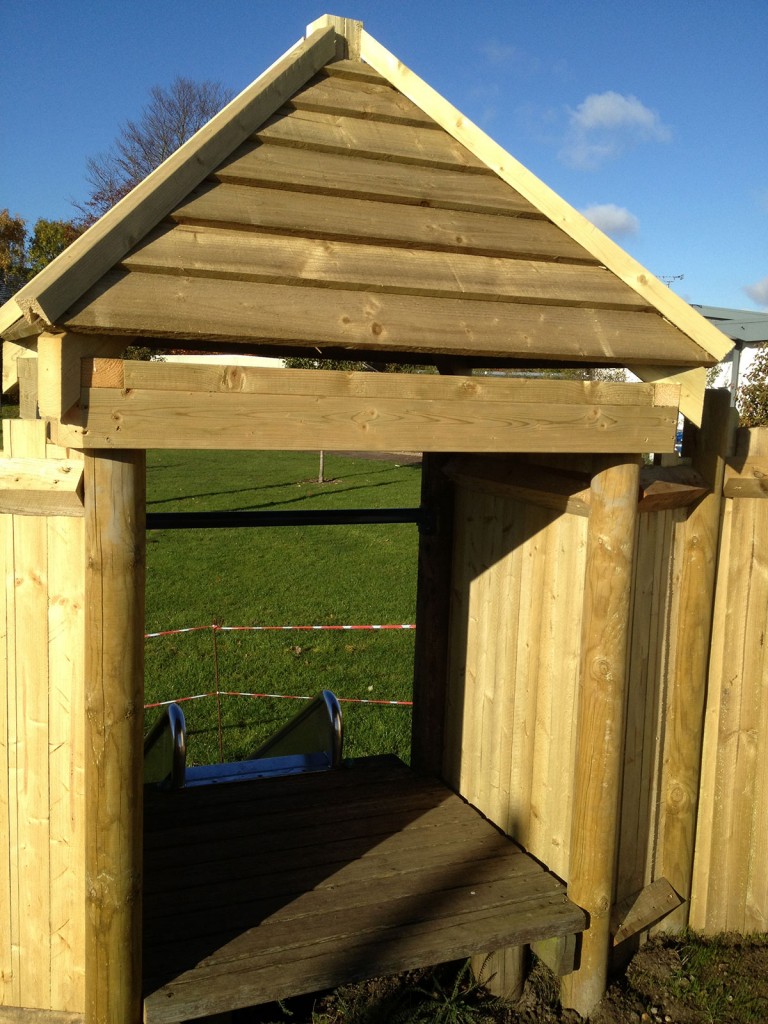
pixel 758 292
pixel 612 219
pixel 605 126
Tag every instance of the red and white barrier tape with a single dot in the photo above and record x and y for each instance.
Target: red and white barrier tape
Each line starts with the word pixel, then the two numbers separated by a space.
pixel 263 629
pixel 277 696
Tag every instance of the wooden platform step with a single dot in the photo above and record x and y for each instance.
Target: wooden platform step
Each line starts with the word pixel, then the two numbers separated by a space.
pixel 266 889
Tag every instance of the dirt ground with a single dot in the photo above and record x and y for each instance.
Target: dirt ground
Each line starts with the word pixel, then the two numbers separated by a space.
pixel 683 980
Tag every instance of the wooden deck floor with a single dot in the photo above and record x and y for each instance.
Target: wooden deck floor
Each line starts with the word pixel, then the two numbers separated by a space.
pixel 262 890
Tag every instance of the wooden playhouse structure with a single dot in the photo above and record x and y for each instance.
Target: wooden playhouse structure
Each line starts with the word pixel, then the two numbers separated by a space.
pixel 340 205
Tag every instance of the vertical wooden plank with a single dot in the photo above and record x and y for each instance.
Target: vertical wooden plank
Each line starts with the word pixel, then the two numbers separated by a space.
pixel 601 716
pixel 488 688
pixel 545 645
pixel 8 888
pixel 67 786
pixel 755 725
pixel 433 599
pixel 508 596
pixel 707 912
pixel 524 709
pixel 571 537
pixel 458 643
pixel 30 555
pixel 740 716
pixel 114 672
pixel 13 978
pixel 687 684
pixel 651 591
pixel 477 637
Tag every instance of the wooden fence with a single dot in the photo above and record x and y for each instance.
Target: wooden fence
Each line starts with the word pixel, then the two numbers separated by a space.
pixel 694 806
pixel 42 888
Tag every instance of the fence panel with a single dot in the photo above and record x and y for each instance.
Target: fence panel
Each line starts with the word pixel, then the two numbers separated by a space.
pixel 42 887
pixel 730 876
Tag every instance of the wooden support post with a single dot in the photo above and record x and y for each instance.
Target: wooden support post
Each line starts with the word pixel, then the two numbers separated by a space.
pixel 502 972
pixel 114 681
pixel 430 669
pixel 601 713
pixel 686 693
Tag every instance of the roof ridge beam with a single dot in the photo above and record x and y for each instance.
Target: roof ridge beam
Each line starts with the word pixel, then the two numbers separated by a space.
pixel 348 34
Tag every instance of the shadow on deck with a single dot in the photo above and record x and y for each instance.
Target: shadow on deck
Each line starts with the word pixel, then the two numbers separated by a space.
pixel 266 889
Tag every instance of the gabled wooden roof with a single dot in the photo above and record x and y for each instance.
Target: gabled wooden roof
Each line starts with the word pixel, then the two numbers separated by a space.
pixel 340 203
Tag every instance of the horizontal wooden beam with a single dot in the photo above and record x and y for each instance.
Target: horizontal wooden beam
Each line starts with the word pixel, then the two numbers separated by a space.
pixel 382 223
pixel 24 1015
pixel 259 380
pixel 746 479
pixel 278 259
pixel 173 406
pixel 337 174
pixel 692 383
pixel 534 485
pixel 199 308
pixel 372 139
pixel 42 487
pixel 564 490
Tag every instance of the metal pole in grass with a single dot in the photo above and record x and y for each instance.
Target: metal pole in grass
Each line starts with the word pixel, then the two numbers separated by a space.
pixel 214 631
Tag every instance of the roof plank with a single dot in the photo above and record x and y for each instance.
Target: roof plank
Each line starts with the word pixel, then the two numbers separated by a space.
pixel 336 95
pixel 382 140
pixel 362 178
pixel 240 311
pixel 366 221
pixel 283 259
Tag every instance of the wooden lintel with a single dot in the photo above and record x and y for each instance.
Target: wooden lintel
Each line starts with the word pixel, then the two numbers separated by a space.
pixel 746 479
pixel 160 376
pixel 59 372
pixel 399 414
pixel 41 487
pixel 562 492
pixel 643 909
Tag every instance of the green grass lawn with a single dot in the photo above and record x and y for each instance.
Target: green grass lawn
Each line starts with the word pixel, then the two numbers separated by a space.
pixel 345 575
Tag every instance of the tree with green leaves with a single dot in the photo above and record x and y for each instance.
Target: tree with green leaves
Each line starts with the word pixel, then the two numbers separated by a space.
pixel 13 254
pixel 752 398
pixel 23 255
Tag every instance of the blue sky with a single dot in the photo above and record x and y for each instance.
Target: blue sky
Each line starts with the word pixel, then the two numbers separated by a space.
pixel 650 116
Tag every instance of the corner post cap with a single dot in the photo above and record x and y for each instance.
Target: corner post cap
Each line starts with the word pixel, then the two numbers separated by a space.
pixel 348 34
